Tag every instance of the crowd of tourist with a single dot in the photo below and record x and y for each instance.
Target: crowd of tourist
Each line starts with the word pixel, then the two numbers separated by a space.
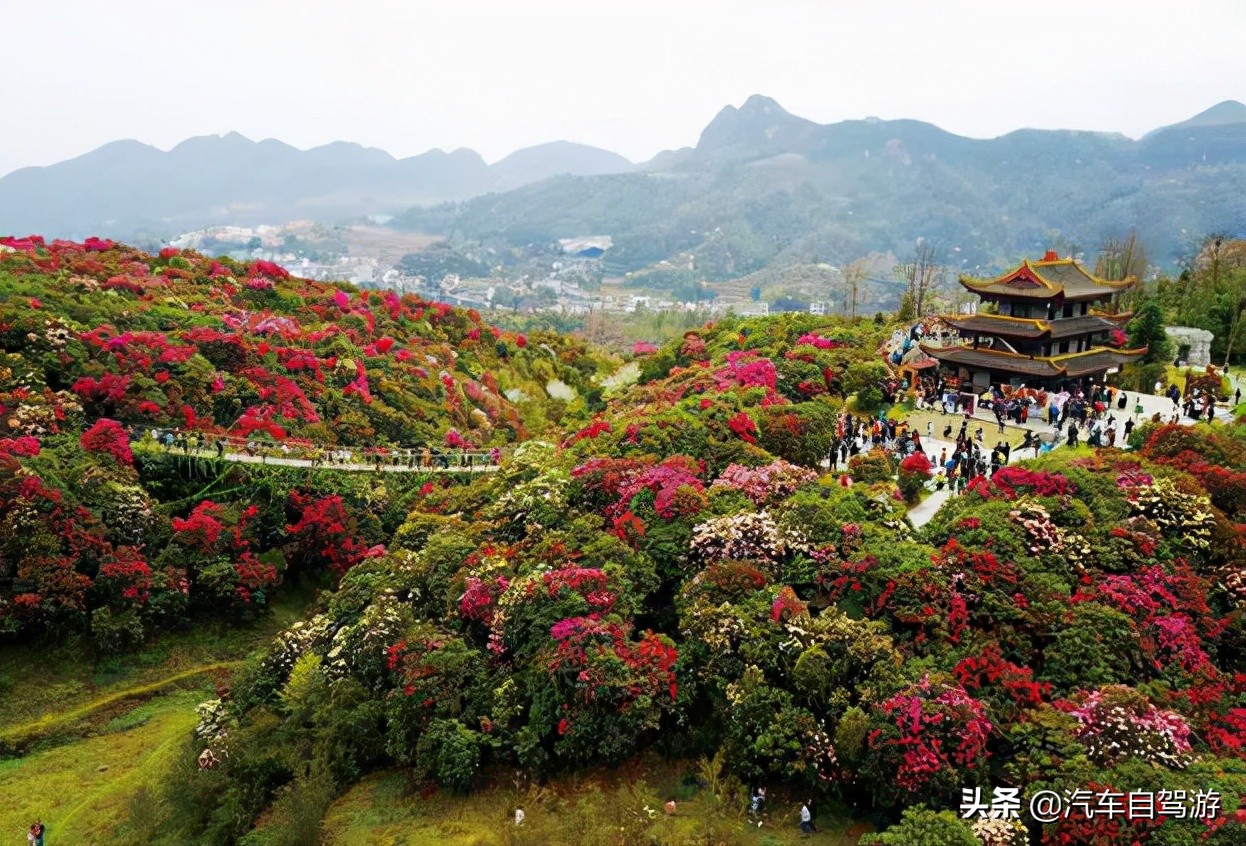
pixel 429 457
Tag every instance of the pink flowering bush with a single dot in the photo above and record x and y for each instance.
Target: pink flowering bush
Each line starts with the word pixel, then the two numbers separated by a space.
pixel 768 483
pixel 1116 723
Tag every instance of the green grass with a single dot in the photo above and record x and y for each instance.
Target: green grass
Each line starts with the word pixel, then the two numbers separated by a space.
pixel 43 686
pixel 386 809
pixel 95 734
pixel 82 790
pixel 56 723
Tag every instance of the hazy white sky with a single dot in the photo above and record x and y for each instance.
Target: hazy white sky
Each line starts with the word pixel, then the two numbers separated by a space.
pixel 635 76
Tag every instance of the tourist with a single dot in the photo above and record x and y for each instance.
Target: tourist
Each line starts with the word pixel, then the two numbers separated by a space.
pixel 37 830
pixel 756 804
pixel 1073 434
pixel 1237 397
pixel 519 816
pixel 806 820
pixel 1129 427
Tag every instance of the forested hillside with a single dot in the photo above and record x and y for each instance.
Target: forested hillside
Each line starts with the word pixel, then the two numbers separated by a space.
pixel 660 567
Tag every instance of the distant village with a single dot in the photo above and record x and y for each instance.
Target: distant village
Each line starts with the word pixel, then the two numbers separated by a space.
pixel 565 278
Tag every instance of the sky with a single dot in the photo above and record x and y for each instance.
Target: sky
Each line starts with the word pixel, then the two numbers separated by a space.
pixel 635 77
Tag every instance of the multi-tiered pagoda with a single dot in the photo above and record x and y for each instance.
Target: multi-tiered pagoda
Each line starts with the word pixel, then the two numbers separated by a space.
pixel 1044 332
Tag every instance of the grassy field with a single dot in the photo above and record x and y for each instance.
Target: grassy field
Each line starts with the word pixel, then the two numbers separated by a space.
pixel 387 809
pixel 81 789
pixel 91 735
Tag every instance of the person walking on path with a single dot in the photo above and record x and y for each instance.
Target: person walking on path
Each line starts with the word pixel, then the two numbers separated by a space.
pixel 756 805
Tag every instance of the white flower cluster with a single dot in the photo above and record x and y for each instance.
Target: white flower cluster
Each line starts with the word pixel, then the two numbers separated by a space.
pixel 1000 832
pixel 820 753
pixel 128 512
pixel 214 721
pixel 1046 536
pixel 745 537
pixel 55 334
pixel 288 646
pixel 1114 726
pixel 367 639
pixel 718 627
pixel 34 420
pixel 1177 514
pixel 541 501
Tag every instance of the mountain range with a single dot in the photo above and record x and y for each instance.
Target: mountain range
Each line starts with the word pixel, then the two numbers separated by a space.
pixel 765 188
pixel 761 188
pixel 126 188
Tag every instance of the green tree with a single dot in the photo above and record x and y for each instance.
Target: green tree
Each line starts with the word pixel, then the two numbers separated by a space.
pixel 908 311
pixel 921 826
pixel 1147 330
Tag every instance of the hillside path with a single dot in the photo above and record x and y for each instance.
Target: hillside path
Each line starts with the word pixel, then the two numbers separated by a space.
pixel 481 462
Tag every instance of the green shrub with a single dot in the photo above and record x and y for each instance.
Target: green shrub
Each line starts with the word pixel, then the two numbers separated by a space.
pixel 870 467
pixel 921 826
pixel 450 753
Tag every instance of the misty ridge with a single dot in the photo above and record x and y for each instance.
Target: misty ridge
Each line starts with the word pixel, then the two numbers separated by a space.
pixel 761 188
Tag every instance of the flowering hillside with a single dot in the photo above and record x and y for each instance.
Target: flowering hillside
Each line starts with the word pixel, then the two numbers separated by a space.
pixel 669 569
pixel 677 574
pixel 103 346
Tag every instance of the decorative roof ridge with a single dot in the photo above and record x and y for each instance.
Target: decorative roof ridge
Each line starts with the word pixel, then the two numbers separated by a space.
pixel 988 350
pixel 1093 350
pixel 1039 323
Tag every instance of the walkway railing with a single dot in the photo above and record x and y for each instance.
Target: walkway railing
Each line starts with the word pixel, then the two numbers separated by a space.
pixel 329 457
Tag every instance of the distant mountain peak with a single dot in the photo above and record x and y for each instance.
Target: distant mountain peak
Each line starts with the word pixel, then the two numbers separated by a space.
pixel 1222 114
pixel 760 127
pixel 760 103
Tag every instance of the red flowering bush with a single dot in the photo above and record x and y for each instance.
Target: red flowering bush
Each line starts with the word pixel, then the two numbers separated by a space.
pixel 1012 481
pixel 926 737
pixel 743 427
pixel 108 437
pixel 326 534
pixel 915 471
pixel 613 689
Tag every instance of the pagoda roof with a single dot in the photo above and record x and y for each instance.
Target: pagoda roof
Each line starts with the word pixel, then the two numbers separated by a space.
pixel 1047 279
pixel 1094 360
pixel 1029 328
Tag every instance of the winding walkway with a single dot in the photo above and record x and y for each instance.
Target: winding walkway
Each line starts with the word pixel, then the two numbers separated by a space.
pixel 480 462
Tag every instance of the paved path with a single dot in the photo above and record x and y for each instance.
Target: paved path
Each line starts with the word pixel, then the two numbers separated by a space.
pixel 924 511
pixel 482 464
